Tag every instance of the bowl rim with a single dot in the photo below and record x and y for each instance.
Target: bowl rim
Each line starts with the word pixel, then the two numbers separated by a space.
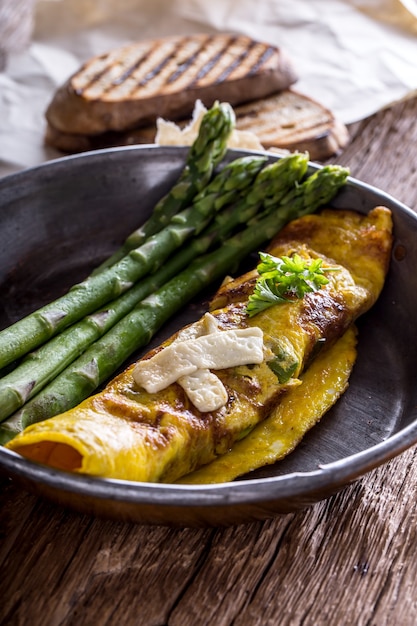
pixel 246 491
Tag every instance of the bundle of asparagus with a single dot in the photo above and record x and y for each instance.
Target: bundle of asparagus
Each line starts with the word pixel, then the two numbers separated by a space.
pixel 86 335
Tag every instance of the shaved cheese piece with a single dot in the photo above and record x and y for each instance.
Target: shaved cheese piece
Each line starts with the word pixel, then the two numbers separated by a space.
pixel 205 325
pixel 217 350
pixel 210 324
pixel 170 134
pixel 205 390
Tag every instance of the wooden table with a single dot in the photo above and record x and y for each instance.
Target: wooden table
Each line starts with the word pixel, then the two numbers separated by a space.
pixel 350 560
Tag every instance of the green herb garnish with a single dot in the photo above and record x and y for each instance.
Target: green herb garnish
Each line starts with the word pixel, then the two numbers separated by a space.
pixel 283 279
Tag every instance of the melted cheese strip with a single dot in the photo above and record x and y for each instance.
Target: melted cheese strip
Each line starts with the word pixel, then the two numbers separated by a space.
pixel 218 350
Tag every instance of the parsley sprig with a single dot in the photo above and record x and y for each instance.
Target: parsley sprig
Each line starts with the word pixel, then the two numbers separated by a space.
pixel 283 279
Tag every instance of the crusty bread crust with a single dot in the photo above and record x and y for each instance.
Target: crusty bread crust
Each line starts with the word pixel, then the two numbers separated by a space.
pixel 134 85
pixel 71 143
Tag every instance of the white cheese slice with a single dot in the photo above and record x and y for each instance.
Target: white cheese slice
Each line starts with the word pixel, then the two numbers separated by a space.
pixel 209 324
pixel 170 134
pixel 205 390
pixel 205 325
pixel 217 350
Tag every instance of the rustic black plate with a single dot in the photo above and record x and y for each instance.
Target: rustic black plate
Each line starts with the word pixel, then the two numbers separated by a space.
pixel 59 220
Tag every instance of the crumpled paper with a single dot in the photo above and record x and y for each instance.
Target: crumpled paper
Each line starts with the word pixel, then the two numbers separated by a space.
pixel 354 56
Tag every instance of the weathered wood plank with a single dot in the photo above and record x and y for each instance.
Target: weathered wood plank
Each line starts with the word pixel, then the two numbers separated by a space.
pixel 383 151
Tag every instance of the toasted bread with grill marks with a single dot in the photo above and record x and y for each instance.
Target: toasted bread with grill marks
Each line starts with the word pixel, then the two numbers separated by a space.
pixel 287 120
pixel 292 121
pixel 133 85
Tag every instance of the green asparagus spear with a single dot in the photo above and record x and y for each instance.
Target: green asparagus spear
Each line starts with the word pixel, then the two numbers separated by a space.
pixel 87 296
pixel 270 186
pixel 42 365
pixel 135 330
pixel 316 191
pixel 204 155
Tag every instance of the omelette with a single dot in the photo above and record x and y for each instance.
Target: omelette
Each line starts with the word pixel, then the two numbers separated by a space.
pixel 188 402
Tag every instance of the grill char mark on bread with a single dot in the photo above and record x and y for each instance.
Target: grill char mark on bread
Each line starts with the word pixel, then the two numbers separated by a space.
pixel 133 85
pixel 292 121
pixel 238 56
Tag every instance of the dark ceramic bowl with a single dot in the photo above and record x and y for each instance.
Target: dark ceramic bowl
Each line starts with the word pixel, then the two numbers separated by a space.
pixel 59 220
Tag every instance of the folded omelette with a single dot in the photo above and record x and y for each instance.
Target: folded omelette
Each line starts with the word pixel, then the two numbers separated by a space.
pixel 145 425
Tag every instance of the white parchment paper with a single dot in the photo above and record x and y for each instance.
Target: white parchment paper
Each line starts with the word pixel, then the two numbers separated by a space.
pixel 354 56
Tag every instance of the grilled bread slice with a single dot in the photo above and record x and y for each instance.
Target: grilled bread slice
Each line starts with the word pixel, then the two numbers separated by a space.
pixel 133 85
pixel 287 120
pixel 292 121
